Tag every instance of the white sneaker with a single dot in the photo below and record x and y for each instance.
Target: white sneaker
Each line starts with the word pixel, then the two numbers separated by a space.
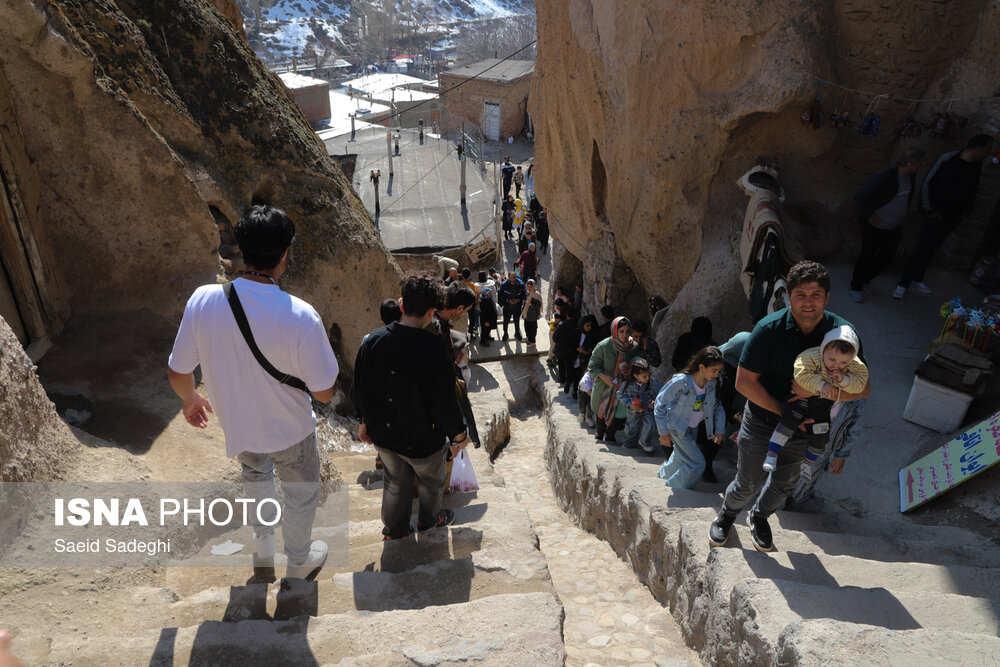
pixel 313 562
pixel 899 292
pixel 922 288
pixel 263 552
pixel 855 296
pixel 868 289
pixel 770 462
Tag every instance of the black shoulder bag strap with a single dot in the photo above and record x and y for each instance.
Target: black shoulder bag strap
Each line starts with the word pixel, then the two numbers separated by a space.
pixel 241 320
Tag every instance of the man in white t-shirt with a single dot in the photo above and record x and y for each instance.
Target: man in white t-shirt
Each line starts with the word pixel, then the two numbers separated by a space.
pixel 269 425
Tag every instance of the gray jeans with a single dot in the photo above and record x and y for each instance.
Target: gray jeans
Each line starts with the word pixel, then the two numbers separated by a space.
pixel 397 489
pixel 298 469
pixel 755 433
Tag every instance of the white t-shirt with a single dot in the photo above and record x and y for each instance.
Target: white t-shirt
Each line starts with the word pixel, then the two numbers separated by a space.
pixel 698 411
pixel 258 413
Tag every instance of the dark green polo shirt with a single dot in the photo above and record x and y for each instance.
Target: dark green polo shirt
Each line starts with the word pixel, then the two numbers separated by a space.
pixel 773 346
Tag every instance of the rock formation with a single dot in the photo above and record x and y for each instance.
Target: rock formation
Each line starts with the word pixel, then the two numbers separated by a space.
pixel 647 113
pixel 150 127
pixel 35 445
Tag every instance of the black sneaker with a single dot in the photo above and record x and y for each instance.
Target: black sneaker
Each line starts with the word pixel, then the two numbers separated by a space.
pixel 718 533
pixel 262 575
pixel 760 532
pixel 445 518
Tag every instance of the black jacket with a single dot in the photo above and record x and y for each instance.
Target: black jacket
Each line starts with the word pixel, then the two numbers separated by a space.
pixel 950 186
pixel 879 190
pixel 404 390
pixel 565 339
pixel 512 289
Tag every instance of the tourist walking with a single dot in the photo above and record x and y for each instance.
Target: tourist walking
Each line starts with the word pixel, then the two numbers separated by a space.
pixel 608 366
pixel 764 376
pixel 687 409
pixel 263 354
pixel 404 393
pixel 507 174
pixel 531 311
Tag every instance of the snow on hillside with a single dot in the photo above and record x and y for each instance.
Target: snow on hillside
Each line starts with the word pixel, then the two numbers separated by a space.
pixel 288 27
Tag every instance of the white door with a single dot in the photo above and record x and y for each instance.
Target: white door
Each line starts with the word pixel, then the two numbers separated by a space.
pixel 491 121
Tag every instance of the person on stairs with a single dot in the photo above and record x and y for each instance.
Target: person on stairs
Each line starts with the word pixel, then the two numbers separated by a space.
pixel 608 367
pixel 404 393
pixel 688 405
pixel 765 374
pixel 269 423
pixel 639 394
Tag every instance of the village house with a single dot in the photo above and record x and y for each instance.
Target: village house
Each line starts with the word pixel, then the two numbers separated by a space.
pixel 490 94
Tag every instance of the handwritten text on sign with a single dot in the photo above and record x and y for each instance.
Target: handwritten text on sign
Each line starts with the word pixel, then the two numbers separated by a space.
pixel 951 464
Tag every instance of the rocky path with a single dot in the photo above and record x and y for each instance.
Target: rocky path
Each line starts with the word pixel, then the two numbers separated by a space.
pixel 611 617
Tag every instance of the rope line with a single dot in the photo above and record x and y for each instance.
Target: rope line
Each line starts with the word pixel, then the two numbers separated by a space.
pixel 886 96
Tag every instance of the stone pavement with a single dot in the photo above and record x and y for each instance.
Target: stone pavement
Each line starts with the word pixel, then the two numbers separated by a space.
pixel 611 618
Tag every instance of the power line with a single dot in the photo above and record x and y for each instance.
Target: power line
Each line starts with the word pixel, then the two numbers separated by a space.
pixel 472 78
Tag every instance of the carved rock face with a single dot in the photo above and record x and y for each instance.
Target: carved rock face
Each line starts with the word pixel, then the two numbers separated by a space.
pixel 647 112
pixel 151 127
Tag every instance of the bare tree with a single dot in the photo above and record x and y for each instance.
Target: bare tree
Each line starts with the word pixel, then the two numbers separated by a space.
pixel 497 38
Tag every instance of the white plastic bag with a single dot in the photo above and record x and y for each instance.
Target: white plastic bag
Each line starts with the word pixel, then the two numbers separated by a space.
pixel 463 477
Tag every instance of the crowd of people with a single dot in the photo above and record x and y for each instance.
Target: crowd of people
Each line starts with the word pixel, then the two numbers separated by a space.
pixel 792 390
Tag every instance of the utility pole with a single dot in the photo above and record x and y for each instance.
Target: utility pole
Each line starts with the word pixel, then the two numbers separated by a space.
pixel 397 141
pixel 352 127
pixel 375 176
pixel 461 160
pixel 388 147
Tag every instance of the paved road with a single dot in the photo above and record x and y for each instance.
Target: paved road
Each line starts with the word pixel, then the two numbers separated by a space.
pixel 420 207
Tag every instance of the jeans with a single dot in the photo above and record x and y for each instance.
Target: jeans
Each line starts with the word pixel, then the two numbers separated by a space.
pixel 878 247
pixel 755 433
pixel 640 431
pixel 843 433
pixel 686 463
pixel 298 469
pixel 397 489
pixel 933 232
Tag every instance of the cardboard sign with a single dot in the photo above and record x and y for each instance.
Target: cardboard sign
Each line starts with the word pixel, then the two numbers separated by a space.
pixel 951 464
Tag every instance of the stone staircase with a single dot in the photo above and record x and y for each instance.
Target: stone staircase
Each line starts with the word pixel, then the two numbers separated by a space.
pixel 478 591
pixel 838 591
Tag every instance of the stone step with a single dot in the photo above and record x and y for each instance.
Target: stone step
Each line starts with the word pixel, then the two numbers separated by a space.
pixel 818 568
pixel 517 629
pixel 941 551
pixel 827 642
pixel 762 609
pixel 512 569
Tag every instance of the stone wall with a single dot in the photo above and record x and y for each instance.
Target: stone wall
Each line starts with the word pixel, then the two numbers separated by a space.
pixel 648 112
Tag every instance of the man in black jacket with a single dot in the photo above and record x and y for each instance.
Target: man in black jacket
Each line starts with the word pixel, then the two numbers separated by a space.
pixel 946 197
pixel 404 392
pixel 511 296
pixel 882 204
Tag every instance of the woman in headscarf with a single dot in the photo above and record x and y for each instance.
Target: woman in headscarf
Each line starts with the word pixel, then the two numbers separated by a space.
pixel 608 367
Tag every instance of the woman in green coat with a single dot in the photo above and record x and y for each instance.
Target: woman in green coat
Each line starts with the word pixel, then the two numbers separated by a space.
pixel 608 365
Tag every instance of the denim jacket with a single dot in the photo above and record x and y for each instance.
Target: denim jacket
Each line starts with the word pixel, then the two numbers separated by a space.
pixel 644 392
pixel 675 402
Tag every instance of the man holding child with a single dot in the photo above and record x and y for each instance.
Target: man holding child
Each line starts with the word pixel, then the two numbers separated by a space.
pixel 765 377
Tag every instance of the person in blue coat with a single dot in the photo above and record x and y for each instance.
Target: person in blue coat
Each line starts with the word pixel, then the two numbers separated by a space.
pixel 686 404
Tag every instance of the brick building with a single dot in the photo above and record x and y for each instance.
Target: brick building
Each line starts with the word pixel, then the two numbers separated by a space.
pixel 312 95
pixel 496 100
